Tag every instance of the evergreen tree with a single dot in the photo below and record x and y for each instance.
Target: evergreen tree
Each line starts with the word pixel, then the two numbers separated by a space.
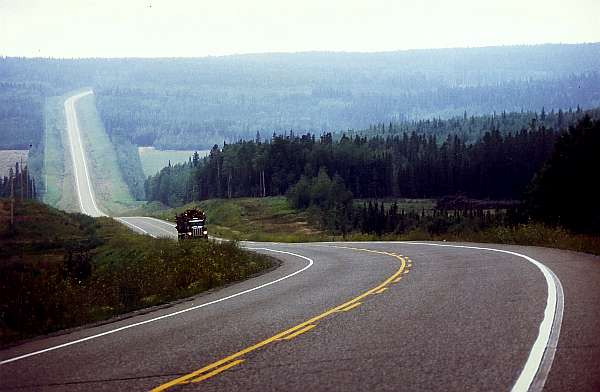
pixel 565 191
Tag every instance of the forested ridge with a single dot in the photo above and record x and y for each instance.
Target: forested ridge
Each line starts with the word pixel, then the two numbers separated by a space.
pixel 186 119
pixel 471 127
pixel 21 115
pixel 498 165
pixel 196 103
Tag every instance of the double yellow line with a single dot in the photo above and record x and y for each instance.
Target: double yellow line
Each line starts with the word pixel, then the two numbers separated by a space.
pixel 232 360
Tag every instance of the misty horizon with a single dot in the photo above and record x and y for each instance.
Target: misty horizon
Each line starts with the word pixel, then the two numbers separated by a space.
pixel 326 52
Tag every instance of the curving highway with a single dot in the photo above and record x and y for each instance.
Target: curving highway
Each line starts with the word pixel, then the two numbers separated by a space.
pixel 346 316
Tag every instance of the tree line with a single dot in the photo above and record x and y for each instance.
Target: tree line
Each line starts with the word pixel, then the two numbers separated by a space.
pixel 18 184
pixel 21 115
pixel 472 127
pixel 565 191
pixel 183 118
pixel 407 165
pixel 326 174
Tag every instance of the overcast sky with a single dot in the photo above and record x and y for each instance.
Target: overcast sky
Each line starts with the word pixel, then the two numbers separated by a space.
pixel 160 28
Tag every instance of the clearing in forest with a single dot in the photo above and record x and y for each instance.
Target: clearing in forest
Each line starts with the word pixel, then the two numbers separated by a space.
pixel 154 160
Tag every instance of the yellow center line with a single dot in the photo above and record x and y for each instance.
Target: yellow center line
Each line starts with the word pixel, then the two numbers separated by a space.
pixel 354 305
pixel 381 290
pixel 185 378
pixel 299 332
pixel 217 371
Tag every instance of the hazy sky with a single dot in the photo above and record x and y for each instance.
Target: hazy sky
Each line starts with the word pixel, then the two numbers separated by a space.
pixel 152 28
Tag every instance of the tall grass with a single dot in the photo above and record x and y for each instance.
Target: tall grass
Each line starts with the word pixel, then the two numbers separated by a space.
pixel 58 182
pixel 252 219
pixel 531 234
pixel 244 219
pixel 535 234
pixel 74 269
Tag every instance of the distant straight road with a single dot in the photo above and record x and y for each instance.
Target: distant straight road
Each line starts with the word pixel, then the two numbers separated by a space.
pixel 83 184
pixel 381 316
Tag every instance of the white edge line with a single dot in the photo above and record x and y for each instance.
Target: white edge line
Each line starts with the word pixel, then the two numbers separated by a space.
pixel 155 226
pixel 310 263
pixel 67 102
pixel 158 220
pixel 122 220
pixel 537 367
pixel 85 169
pixel 71 118
pixel 544 371
pixel 218 239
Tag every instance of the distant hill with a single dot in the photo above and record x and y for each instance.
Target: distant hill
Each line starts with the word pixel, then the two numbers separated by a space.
pixel 196 102
pixel 471 127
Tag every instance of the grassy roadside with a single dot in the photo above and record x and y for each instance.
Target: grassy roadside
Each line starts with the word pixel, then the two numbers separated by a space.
pixel 111 190
pixel 58 189
pixel 528 234
pixel 271 219
pixel 249 219
pixel 57 178
pixel 60 270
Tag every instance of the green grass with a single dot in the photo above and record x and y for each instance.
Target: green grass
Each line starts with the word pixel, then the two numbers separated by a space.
pixel 112 193
pixel 272 219
pixel 154 160
pixel 57 173
pixel 60 270
pixel 529 234
pixel 535 234
pixel 250 219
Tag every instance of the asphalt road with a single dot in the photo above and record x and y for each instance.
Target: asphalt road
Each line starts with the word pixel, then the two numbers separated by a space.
pixel 347 316
pixel 83 184
pixel 459 319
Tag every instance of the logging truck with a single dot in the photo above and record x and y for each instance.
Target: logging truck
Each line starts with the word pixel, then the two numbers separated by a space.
pixel 191 224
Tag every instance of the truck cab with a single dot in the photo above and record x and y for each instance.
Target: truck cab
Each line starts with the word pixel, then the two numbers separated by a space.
pixel 197 228
pixel 191 224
